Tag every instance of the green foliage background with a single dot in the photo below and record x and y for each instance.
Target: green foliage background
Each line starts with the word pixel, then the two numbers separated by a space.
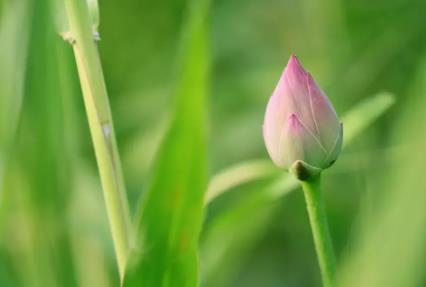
pixel 53 226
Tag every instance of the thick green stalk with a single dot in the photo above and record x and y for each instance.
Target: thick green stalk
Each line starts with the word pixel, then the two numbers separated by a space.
pixel 101 126
pixel 320 232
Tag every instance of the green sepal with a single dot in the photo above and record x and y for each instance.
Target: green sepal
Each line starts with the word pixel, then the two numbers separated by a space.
pixel 304 171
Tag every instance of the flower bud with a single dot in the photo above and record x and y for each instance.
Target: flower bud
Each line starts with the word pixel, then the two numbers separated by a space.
pixel 301 130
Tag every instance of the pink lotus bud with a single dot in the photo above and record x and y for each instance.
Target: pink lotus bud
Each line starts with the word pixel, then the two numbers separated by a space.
pixel 301 130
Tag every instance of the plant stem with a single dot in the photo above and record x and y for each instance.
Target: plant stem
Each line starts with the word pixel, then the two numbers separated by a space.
pixel 101 126
pixel 320 232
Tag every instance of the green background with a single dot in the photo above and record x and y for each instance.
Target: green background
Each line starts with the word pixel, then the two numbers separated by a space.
pixel 53 224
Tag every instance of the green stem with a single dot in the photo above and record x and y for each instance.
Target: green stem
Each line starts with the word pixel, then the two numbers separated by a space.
pixel 101 126
pixel 320 232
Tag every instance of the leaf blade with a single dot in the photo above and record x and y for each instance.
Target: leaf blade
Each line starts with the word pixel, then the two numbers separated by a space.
pixel 172 212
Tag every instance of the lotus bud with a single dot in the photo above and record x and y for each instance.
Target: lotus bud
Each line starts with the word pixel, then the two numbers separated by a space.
pixel 301 129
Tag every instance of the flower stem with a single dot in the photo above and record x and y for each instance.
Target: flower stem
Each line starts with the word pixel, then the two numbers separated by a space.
pixel 101 126
pixel 320 232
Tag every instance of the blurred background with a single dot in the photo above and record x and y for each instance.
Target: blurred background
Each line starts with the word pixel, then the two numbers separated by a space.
pixel 53 224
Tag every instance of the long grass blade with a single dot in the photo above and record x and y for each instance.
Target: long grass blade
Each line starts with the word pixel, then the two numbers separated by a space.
pixel 172 214
pixel 101 126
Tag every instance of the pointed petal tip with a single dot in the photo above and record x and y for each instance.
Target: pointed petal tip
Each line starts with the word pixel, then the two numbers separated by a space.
pixel 293 120
pixel 295 65
pixel 295 73
pixel 293 57
pixel 294 124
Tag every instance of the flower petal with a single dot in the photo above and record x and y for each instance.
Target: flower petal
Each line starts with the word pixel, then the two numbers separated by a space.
pixel 273 125
pixel 335 151
pixel 300 122
pixel 293 86
pixel 324 115
pixel 299 143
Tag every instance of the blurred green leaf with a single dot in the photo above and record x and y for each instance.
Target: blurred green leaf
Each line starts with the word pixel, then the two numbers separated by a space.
pixel 232 233
pixel 365 113
pixel 38 178
pixel 172 211
pixel 390 249
pixel 13 50
pixel 237 175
